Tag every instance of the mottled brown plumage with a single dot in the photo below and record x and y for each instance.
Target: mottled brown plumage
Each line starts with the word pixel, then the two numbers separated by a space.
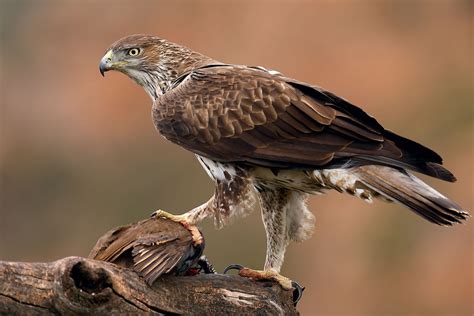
pixel 261 135
pixel 242 114
pixel 151 247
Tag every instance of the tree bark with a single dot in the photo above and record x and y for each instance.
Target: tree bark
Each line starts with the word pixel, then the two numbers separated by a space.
pixel 76 285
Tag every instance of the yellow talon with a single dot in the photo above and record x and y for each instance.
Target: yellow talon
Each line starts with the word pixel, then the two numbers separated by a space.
pixel 164 214
pixel 183 220
pixel 267 275
pixel 258 275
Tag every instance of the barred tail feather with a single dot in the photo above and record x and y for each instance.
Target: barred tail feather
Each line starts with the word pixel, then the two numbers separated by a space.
pixel 405 188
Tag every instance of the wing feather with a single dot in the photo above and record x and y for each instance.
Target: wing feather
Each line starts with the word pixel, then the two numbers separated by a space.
pixel 244 114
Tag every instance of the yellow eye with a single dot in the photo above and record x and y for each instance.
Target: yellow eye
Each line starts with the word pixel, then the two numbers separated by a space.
pixel 133 51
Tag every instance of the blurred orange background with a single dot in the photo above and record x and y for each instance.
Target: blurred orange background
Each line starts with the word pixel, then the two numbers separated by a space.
pixel 79 153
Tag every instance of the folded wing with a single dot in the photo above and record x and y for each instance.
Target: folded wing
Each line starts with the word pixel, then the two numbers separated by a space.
pixel 244 114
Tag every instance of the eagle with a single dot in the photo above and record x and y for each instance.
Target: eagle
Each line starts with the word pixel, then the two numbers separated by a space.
pixel 262 136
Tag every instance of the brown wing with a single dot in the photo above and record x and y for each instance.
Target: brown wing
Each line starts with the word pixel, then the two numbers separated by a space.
pixel 151 247
pixel 100 252
pixel 153 258
pixel 245 114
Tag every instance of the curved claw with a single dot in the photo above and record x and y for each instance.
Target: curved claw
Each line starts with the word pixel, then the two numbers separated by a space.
pixel 233 267
pixel 206 266
pixel 159 213
pixel 297 291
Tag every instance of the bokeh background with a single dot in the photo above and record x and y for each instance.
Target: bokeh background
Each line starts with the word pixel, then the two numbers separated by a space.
pixel 79 153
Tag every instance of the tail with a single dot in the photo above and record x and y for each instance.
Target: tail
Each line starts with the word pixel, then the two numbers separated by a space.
pixel 400 186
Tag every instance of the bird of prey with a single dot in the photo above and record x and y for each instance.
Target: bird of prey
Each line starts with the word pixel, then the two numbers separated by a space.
pixel 153 247
pixel 263 136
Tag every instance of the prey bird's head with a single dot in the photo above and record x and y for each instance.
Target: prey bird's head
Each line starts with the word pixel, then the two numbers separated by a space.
pixel 152 62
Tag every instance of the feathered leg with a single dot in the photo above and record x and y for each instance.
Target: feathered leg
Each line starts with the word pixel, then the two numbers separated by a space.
pixel 234 195
pixel 274 202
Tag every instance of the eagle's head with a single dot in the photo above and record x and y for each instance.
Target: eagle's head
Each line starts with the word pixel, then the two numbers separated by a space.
pixel 152 62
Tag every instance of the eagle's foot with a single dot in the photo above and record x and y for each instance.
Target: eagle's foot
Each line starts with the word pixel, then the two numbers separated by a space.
pixel 183 220
pixel 175 218
pixel 272 275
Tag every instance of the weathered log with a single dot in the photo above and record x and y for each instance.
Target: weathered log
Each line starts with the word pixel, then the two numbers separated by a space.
pixel 76 285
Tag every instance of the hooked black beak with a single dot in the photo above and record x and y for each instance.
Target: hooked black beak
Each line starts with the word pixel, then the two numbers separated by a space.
pixel 102 68
pixel 105 63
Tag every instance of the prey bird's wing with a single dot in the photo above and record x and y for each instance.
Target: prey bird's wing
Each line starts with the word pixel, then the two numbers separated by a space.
pixel 151 247
pixel 153 258
pixel 250 115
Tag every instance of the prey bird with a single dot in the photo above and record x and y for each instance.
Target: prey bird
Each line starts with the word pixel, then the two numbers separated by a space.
pixel 262 136
pixel 154 246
